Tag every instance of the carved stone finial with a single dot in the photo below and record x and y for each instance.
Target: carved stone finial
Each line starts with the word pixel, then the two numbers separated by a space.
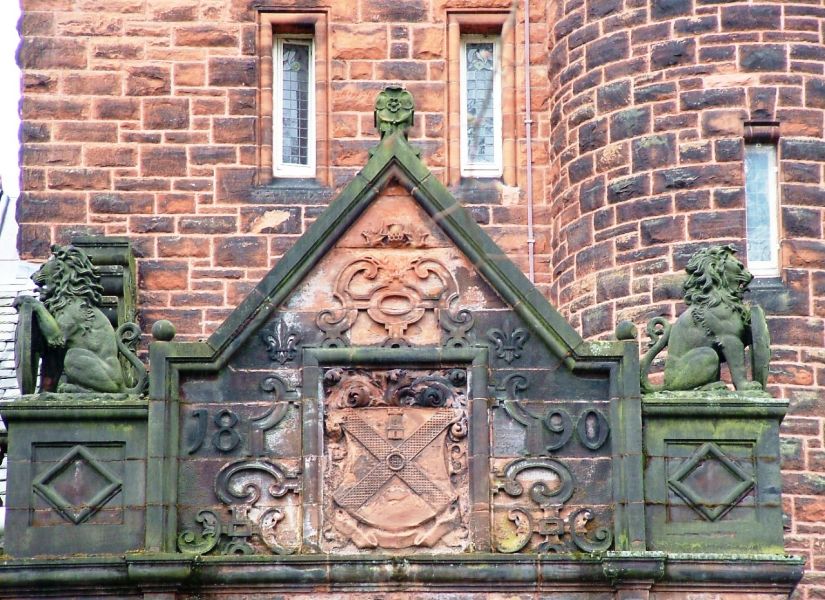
pixel 394 111
pixel 67 330
pixel 716 328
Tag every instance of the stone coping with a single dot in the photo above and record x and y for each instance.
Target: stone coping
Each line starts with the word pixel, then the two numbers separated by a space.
pixel 713 404
pixel 477 572
pixel 51 406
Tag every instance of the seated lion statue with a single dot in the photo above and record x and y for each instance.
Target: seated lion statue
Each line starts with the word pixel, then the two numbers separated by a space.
pixel 80 353
pixel 716 328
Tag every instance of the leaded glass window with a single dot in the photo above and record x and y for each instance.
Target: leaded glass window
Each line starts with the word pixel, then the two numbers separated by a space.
pixel 294 97
pixel 761 207
pixel 480 106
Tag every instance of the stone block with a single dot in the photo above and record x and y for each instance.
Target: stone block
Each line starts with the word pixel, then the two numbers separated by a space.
pixel 209 36
pixel 163 162
pixel 77 465
pixel 607 50
pixel 629 123
pixel 763 57
pixel 166 113
pixel 52 53
pixel 613 96
pixel 148 81
pixel 232 72
pixel 672 53
pixel 712 472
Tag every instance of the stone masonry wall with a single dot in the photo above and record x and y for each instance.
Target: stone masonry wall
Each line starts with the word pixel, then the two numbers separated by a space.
pixel 148 118
pixel 141 117
pixel 647 110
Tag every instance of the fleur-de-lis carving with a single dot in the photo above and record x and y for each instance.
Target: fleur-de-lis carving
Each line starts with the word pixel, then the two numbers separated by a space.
pixel 508 345
pixel 281 341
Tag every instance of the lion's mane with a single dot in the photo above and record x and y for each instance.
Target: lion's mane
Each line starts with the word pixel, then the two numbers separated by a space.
pixel 710 281
pixel 72 276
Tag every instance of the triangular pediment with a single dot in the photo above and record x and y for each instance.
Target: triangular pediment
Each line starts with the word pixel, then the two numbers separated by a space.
pixel 395 215
pixel 391 343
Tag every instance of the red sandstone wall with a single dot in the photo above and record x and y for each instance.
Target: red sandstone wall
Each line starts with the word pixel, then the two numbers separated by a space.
pixel 143 118
pixel 647 110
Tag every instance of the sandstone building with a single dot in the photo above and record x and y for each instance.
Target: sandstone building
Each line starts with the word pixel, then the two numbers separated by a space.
pixel 608 141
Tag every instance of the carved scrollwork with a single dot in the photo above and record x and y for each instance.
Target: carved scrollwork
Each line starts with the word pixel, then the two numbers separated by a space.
pixel 544 518
pixel 457 325
pixel 268 525
pixel 518 539
pixel 240 492
pixel 250 492
pixel 201 542
pixel 600 540
pixel 540 492
pixel 394 295
pixel 397 387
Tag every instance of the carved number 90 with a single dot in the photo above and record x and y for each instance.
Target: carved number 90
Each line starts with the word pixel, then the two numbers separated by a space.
pixel 592 428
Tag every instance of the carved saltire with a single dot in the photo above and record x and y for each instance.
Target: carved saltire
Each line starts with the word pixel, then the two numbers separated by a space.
pixel 396 442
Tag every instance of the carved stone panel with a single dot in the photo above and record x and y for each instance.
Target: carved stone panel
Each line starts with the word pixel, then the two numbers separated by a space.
pixel 395 460
pixel 77 466
pixel 239 478
pixel 712 481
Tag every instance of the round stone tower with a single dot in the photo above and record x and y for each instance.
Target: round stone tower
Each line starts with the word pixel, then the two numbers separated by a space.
pixel 653 105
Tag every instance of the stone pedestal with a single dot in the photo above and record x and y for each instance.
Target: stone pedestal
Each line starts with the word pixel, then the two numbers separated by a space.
pixel 712 480
pixel 77 466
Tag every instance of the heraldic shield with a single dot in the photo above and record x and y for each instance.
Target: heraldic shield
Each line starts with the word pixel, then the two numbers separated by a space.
pixel 395 472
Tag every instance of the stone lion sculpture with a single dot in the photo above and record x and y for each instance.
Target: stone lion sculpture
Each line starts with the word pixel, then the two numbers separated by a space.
pixel 716 328
pixel 79 346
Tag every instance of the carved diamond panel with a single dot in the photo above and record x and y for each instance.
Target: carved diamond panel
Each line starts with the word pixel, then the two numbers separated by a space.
pixel 78 485
pixel 710 482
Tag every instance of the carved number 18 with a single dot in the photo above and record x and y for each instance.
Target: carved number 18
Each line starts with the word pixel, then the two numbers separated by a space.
pixel 225 439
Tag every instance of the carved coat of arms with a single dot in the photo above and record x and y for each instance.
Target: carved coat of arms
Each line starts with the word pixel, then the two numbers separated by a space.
pixel 396 453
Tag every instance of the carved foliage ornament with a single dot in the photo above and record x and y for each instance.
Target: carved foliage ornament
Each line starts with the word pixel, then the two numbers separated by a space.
pixel 394 111
pixel 509 342
pixel 281 341
pixel 394 293
pixel 396 235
